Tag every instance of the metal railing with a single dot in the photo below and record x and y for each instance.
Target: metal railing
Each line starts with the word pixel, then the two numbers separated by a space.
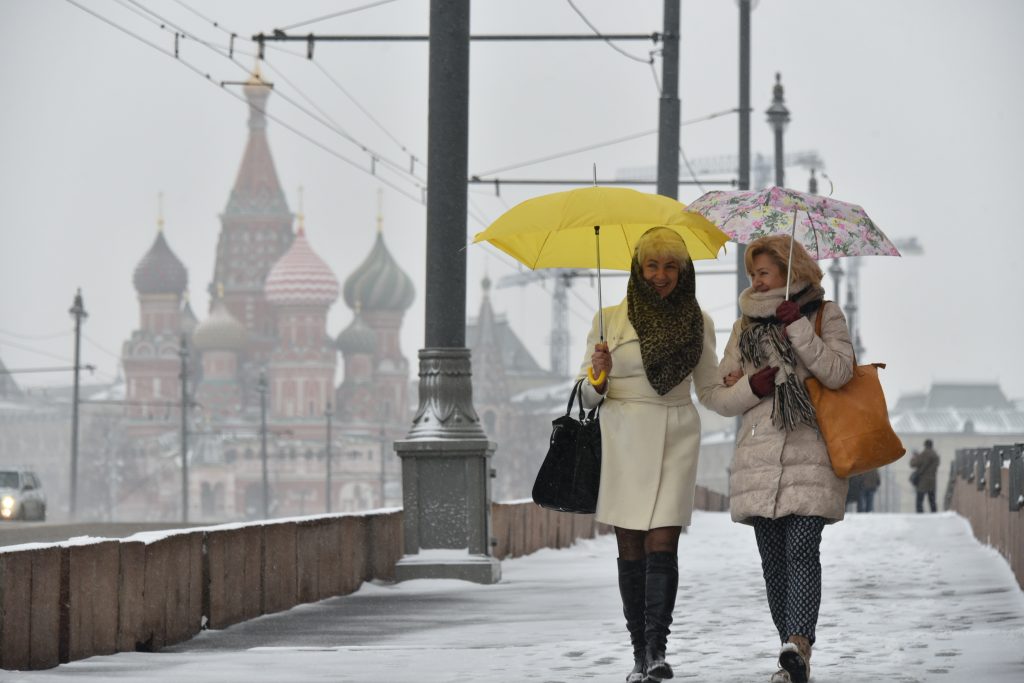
pixel 986 486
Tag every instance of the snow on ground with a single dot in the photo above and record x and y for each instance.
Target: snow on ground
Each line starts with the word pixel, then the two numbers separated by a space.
pixel 910 599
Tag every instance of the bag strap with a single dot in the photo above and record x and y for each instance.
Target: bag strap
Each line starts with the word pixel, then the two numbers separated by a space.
pixel 577 397
pixel 817 320
pixel 817 331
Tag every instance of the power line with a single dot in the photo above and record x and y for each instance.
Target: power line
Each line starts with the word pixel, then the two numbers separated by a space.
pixel 333 125
pixel 352 10
pixel 329 123
pixel 64 359
pixel 97 346
pixel 649 60
pixel 206 76
pixel 412 155
pixel 606 143
pixel 66 333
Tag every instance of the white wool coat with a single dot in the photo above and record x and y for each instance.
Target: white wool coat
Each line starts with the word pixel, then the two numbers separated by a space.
pixel 649 443
pixel 775 473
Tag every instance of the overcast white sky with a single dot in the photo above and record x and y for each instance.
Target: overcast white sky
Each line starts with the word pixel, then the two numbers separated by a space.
pixel 915 107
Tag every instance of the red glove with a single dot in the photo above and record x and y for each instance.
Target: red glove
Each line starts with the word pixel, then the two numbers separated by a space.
pixel 762 382
pixel 788 312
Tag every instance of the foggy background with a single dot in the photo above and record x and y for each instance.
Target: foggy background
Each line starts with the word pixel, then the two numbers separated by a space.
pixel 913 106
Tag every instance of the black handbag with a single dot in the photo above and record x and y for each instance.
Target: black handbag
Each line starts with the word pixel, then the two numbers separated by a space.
pixel 571 472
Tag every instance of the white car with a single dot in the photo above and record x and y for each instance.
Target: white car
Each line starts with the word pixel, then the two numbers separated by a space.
pixel 21 496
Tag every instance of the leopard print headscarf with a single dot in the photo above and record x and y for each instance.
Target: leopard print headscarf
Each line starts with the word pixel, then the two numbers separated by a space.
pixel 670 330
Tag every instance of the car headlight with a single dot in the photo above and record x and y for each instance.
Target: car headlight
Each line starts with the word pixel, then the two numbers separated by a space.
pixel 7 503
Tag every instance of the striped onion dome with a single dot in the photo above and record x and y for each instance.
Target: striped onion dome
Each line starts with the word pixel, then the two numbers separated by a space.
pixel 378 284
pixel 160 271
pixel 358 337
pixel 300 277
pixel 221 331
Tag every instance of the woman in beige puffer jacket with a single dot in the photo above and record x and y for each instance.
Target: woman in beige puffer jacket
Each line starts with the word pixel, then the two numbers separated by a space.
pixel 781 479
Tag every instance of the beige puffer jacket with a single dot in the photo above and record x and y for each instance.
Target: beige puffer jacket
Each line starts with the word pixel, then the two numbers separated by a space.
pixel 776 473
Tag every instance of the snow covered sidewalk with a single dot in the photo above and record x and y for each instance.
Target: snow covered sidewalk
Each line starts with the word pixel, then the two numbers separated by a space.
pixel 906 598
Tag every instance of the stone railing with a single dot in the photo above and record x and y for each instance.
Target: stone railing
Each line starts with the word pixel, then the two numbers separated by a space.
pixel 987 488
pixel 85 597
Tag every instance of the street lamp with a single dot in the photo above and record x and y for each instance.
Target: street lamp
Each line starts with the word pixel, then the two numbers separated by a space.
pixel 77 311
pixel 328 413
pixel 261 387
pixel 778 119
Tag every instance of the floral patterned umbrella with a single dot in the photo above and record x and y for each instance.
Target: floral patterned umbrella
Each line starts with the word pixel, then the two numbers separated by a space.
pixel 826 227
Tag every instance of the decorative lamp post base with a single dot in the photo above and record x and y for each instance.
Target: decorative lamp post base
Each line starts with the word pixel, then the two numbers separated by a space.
pixel 446 477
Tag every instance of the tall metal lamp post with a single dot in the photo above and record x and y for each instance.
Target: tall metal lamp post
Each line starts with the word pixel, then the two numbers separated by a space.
pixel 77 311
pixel 446 456
pixel 261 387
pixel 778 119
pixel 329 414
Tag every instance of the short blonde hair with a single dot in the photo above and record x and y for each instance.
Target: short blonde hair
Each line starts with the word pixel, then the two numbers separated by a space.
pixel 805 269
pixel 662 242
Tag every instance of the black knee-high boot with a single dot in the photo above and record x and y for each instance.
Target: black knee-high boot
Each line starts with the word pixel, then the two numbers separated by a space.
pixel 662 582
pixel 632 581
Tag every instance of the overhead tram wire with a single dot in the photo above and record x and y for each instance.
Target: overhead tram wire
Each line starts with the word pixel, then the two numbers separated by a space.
pixel 412 155
pixel 597 32
pixel 351 10
pixel 30 337
pixel 598 145
pixel 280 122
pixel 330 124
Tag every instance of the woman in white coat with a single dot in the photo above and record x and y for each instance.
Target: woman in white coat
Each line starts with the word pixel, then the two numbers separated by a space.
pixel 781 480
pixel 656 340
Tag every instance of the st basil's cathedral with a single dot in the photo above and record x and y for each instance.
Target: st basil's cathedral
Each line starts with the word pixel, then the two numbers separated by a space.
pixel 263 353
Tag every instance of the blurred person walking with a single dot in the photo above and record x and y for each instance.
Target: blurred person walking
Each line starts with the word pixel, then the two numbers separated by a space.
pixel 869 483
pixel 925 475
pixel 781 480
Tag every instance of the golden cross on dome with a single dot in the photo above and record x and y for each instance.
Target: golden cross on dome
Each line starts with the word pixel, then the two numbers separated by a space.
pixel 301 216
pixel 160 212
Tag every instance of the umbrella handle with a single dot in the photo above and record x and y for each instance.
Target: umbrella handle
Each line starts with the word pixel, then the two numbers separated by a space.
pixel 600 378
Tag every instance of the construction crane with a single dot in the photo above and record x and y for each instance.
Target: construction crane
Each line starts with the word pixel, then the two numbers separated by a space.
pixel 562 279
pixel 762 166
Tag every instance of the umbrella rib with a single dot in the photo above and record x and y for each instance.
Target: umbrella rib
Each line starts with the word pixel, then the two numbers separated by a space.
pixel 814 231
pixel 541 250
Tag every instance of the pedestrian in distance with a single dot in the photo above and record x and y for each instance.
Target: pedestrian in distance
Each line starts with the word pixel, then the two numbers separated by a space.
pixel 782 482
pixel 925 475
pixel 869 483
pixel 658 341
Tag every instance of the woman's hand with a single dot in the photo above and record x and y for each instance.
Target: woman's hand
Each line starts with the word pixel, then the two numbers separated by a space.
pixel 732 378
pixel 601 360
pixel 788 312
pixel 762 382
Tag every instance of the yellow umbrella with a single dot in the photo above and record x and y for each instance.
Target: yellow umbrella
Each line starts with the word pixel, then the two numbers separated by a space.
pixel 595 227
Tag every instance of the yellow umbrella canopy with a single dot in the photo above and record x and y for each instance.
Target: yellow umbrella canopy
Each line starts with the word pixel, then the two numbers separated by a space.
pixel 557 230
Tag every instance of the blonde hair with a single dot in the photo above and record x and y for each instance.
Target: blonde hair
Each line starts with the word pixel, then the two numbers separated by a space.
pixel 662 242
pixel 805 269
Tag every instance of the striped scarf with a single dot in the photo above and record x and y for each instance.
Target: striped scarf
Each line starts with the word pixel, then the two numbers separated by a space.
pixel 763 343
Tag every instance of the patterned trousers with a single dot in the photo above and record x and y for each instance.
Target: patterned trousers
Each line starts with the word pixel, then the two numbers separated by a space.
pixel 792 571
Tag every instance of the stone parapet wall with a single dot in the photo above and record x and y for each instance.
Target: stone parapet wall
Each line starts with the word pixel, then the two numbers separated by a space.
pixel 69 601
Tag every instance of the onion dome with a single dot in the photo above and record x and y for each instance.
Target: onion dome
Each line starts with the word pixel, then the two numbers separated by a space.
pixel 300 277
pixel 378 283
pixel 221 331
pixel 358 337
pixel 160 271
